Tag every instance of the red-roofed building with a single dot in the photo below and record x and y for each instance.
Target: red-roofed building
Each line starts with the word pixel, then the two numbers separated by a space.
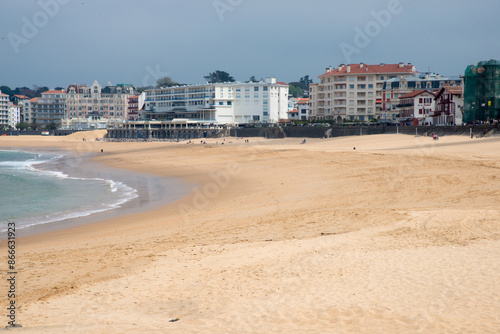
pixel 353 92
pixel 417 107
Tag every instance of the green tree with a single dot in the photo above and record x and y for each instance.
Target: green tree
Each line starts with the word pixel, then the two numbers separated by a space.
pixel 166 82
pixel 22 125
pixel 253 79
pixel 34 126
pixel 6 90
pixel 295 91
pixel 305 81
pixel 52 126
pixel 219 76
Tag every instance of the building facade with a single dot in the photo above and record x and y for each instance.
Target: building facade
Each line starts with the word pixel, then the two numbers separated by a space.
pixel 482 91
pixel 14 115
pixel 4 110
pixel 224 103
pixel 416 107
pixel 51 107
pixel 353 92
pixel 449 105
pixel 110 102
pixel 396 87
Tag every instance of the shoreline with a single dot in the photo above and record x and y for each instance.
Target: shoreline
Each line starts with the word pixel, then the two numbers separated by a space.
pixel 151 191
pixel 400 234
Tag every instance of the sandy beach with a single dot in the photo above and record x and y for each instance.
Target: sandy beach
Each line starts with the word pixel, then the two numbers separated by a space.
pixel 399 235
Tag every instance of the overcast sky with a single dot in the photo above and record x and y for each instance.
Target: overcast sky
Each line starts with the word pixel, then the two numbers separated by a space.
pixel 60 42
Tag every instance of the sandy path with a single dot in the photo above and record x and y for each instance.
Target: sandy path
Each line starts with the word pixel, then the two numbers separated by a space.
pixel 399 235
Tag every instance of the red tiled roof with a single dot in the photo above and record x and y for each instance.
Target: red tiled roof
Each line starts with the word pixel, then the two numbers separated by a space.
pixel 415 93
pixel 55 92
pixel 281 83
pixel 2 94
pixel 303 100
pixel 371 69
pixel 21 96
pixel 35 99
pixel 455 90
pixel 292 111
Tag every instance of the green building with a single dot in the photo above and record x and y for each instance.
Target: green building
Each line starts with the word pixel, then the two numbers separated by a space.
pixel 482 91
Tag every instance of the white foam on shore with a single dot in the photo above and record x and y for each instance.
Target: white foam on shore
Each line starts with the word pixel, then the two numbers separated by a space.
pixel 126 193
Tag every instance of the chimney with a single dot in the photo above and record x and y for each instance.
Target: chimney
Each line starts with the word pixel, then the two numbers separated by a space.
pixel 341 66
pixel 349 68
pixel 361 65
pixel 401 64
pixel 382 64
pixel 427 75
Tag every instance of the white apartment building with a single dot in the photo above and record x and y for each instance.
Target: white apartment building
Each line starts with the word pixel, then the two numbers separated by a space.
pixel 4 109
pixel 14 115
pixel 224 103
pixel 353 92
pixel 110 102
pixel 51 107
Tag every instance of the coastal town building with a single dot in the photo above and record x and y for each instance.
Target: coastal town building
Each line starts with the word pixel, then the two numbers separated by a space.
pixel 29 110
pixel 303 109
pixel 136 104
pixel 417 107
pixel 4 110
pixel 223 103
pixel 14 115
pixel 51 107
pixel 399 86
pixel 449 105
pixel 110 102
pixel 298 109
pixel 353 92
pixel 482 91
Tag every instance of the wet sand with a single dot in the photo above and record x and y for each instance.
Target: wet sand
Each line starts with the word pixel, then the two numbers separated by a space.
pixel 399 235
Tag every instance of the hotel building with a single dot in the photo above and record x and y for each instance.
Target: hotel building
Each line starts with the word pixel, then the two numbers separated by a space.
pixel 353 92
pixel 223 103
pixel 110 102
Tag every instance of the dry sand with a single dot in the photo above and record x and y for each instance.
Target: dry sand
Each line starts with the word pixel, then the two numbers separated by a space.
pixel 400 235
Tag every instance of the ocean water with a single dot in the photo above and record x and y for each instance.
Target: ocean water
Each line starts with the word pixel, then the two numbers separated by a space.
pixel 32 196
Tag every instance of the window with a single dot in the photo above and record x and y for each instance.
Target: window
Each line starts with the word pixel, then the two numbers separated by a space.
pixel 256 89
pixel 255 101
pixel 351 79
pixel 265 114
pixel 221 103
pixel 351 86
pixel 255 96
pixel 265 89
pixel 229 103
pixel 370 86
pixel 256 118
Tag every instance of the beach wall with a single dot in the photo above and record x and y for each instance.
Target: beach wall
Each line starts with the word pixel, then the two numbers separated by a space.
pixel 340 131
pixel 37 132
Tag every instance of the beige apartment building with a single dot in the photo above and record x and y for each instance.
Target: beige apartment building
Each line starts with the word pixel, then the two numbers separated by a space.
pixel 353 92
